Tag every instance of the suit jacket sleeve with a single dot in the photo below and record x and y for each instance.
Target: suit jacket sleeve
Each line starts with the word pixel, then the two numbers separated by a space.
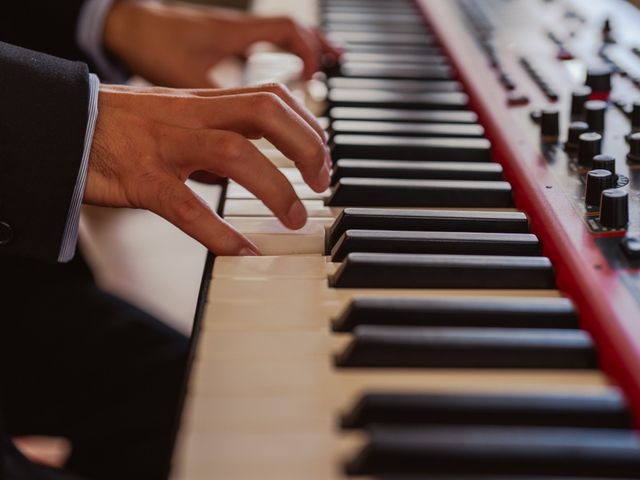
pixel 47 26
pixel 43 119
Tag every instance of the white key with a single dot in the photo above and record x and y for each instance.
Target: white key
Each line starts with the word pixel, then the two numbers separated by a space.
pixel 236 191
pixel 255 208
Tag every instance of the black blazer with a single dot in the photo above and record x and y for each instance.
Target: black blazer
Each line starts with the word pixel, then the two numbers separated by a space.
pixel 43 118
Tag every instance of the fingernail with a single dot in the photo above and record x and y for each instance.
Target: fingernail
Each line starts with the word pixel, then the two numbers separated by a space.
pixel 297 214
pixel 248 252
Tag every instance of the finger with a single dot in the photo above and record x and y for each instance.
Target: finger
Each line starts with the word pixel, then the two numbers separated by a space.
pixel 178 204
pixel 328 47
pixel 233 156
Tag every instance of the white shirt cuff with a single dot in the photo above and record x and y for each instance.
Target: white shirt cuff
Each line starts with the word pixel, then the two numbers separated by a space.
pixel 89 36
pixel 70 237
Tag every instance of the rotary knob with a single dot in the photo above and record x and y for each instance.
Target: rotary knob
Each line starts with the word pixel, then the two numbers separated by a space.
pixel 589 145
pixel 599 79
pixel 595 114
pixel 578 98
pixel 575 130
pixel 597 182
pixel 604 162
pixel 614 208
pixel 634 148
pixel 635 118
pixel 550 123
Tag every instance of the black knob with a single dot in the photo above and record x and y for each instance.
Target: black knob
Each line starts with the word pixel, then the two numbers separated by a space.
pixel 550 123
pixel 589 145
pixel 634 148
pixel 595 113
pixel 614 208
pixel 635 117
pixel 597 181
pixel 604 162
pixel 575 130
pixel 578 98
pixel 599 79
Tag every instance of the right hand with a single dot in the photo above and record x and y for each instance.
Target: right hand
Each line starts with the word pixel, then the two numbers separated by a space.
pixel 149 141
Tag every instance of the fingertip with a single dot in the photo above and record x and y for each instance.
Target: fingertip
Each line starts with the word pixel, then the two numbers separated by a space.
pixel 297 215
pixel 248 252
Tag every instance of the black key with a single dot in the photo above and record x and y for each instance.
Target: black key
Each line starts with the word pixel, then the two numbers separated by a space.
pixel 390 58
pixel 458 312
pixel 396 192
pixel 464 130
pixel 396 270
pixel 463 347
pixel 596 410
pixel 385 99
pixel 385 147
pixel 500 450
pixel 363 168
pixel 416 86
pixel 391 49
pixel 398 115
pixel 454 243
pixel 399 70
pixel 426 220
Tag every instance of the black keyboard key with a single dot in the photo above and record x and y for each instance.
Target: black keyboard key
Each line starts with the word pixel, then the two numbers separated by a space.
pixel 561 452
pixel 398 115
pixel 396 270
pixel 458 312
pixel 591 410
pixel 385 147
pixel 463 347
pixel 426 220
pixel 386 99
pixel 464 130
pixel 389 58
pixel 454 243
pixel 401 71
pixel 391 85
pixel 395 192
pixel 363 168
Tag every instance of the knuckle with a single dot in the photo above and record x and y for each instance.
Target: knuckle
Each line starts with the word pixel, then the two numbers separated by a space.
pixel 230 145
pixel 278 89
pixel 187 209
pixel 267 103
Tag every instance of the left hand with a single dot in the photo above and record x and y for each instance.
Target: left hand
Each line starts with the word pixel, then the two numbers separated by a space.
pixel 176 45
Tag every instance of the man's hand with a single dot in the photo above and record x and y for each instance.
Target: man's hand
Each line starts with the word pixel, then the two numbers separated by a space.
pixel 149 141
pixel 176 45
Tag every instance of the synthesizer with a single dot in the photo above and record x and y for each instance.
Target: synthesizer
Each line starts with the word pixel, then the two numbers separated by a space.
pixel 464 301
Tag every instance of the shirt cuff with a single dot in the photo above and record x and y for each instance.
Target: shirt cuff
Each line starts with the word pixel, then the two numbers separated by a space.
pixel 70 237
pixel 89 35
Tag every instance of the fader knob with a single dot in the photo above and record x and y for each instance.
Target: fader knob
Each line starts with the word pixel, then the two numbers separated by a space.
pixel 578 98
pixel 634 148
pixel 614 208
pixel 550 123
pixel 597 181
pixel 599 79
pixel 604 162
pixel 595 114
pixel 575 130
pixel 589 145
pixel 635 118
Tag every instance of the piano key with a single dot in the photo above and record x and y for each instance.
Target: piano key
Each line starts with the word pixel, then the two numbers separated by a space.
pixel 389 270
pixel 395 192
pixel 391 49
pixel 394 85
pixel 500 450
pixel 385 147
pixel 414 101
pixel 381 27
pixel 399 115
pixel 255 208
pixel 373 18
pixel 426 220
pixel 382 38
pixel 390 58
pixel 555 313
pixel 454 243
pixel 239 192
pixel 363 168
pixel 467 347
pixel 399 70
pixel 471 130
pixel 597 410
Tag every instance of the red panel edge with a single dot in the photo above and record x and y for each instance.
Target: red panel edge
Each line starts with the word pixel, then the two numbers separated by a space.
pixel 607 309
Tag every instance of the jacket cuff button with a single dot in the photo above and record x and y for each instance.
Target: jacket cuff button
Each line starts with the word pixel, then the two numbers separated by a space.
pixel 6 233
